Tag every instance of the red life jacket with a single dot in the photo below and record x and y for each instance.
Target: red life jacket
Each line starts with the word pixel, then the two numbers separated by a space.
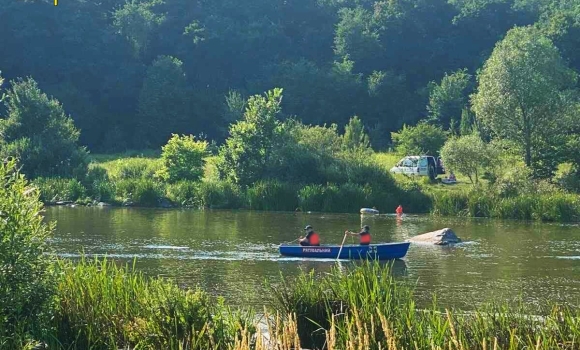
pixel 314 239
pixel 365 239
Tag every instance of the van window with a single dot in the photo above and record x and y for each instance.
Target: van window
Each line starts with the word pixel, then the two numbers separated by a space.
pixel 423 162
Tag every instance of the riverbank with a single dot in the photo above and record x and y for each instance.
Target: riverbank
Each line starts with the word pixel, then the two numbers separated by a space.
pixel 131 182
pixel 100 305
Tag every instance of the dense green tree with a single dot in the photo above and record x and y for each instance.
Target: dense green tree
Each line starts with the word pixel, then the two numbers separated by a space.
pixel 449 98
pixel 467 155
pixel 334 59
pixel 355 137
pixel 136 22
pixel 37 132
pixel 524 91
pixel 247 151
pixel 421 139
pixel 163 102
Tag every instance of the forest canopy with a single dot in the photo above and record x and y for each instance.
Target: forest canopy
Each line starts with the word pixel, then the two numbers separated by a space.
pixel 131 73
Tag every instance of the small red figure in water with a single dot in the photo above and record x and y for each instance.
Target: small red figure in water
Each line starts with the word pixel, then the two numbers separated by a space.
pixel 399 210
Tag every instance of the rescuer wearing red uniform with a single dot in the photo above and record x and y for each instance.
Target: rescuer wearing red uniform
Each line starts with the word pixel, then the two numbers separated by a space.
pixel 364 235
pixel 312 238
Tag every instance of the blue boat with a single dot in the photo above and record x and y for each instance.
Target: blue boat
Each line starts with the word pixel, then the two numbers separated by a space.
pixel 383 251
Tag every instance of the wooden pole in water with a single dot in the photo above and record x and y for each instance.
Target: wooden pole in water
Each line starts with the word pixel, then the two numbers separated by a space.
pixel 340 250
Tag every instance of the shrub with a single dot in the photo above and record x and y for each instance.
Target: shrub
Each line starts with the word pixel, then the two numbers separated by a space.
pixel 142 192
pixel 184 193
pixel 25 279
pixel 39 133
pixel 246 153
pixel 99 186
pixel 183 159
pixel 58 189
pixel 419 140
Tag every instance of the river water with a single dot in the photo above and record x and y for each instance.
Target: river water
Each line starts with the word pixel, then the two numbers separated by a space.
pixel 232 253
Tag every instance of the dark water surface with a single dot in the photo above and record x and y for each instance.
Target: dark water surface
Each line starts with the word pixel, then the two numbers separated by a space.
pixel 232 253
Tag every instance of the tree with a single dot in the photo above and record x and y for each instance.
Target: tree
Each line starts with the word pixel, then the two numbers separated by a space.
pixel 163 102
pixel 420 139
pixel 39 134
pixel 244 156
pixel 449 98
pixel 136 21
pixel 467 155
pixel 183 158
pixel 354 137
pixel 524 91
pixel 25 281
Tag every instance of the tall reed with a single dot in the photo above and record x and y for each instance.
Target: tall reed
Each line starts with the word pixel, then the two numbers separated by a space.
pixel 363 307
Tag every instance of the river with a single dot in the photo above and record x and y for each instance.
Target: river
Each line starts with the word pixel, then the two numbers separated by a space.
pixel 232 253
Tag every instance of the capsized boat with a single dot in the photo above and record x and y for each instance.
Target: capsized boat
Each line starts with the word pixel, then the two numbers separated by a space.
pixel 383 251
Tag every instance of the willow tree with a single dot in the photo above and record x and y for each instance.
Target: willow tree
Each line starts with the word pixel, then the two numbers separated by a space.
pixel 524 91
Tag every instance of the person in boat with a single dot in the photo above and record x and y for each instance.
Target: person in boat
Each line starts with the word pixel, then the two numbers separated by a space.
pixel 311 239
pixel 364 235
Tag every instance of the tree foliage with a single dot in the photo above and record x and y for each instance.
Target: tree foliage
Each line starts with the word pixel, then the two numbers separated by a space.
pixel 524 92
pixel 183 158
pixel 449 98
pixel 246 153
pixel 163 102
pixel 38 133
pixel 467 155
pixel 421 139
pixel 354 137
pixel 25 278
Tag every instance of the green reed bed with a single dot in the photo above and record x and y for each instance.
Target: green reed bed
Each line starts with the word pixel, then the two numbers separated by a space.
pixel 559 207
pixel 363 307
pixel 100 305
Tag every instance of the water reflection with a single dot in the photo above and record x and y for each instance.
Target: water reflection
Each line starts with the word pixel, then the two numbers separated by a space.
pixel 232 253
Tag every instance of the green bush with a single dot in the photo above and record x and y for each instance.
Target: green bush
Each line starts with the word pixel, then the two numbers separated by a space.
pixel 57 189
pixel 25 279
pixel 100 187
pixel 422 139
pixel 183 159
pixel 184 193
pixel 39 134
pixel 141 192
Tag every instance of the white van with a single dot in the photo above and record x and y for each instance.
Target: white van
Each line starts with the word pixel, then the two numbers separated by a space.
pixel 419 166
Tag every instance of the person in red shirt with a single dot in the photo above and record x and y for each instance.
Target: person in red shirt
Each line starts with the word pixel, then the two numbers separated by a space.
pixel 312 238
pixel 364 235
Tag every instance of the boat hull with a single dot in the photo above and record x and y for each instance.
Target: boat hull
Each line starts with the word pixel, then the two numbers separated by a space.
pixel 386 251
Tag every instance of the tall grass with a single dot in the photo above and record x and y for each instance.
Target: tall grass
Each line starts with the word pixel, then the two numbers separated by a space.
pixel 559 207
pixel 365 308
pixel 100 305
pixel 272 195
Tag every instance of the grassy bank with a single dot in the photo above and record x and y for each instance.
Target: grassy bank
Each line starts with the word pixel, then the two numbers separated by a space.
pixel 98 305
pixel 132 181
